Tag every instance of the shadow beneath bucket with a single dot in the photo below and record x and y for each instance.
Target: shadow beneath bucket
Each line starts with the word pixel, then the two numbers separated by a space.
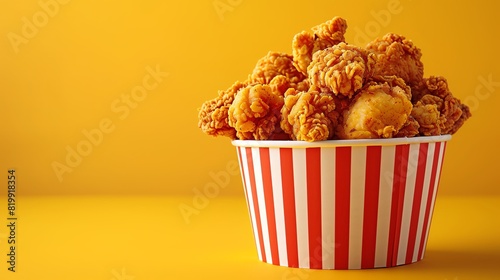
pixel 463 261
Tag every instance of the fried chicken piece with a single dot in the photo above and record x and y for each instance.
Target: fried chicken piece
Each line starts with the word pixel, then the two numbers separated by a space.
pixel 213 114
pixel 341 69
pixel 466 114
pixel 309 115
pixel 276 70
pixel 274 64
pixel 437 107
pixel 303 46
pixel 397 56
pixel 305 43
pixel 427 114
pixel 409 129
pixel 281 84
pixel 331 31
pixel 255 112
pixel 380 110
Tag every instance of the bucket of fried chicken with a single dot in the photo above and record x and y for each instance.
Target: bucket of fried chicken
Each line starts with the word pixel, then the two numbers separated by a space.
pixel 340 147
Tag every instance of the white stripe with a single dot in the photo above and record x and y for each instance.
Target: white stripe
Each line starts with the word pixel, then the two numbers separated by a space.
pixel 425 195
pixel 328 207
pixel 384 205
pixel 358 172
pixel 259 186
pixel 411 176
pixel 436 183
pixel 251 209
pixel 300 180
pixel 279 210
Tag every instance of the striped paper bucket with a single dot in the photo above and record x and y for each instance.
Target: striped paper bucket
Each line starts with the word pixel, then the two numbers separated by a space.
pixel 345 204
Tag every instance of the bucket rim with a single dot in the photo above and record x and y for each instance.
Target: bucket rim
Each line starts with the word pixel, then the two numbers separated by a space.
pixel 340 143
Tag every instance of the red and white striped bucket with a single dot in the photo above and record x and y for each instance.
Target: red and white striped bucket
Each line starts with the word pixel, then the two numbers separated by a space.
pixel 343 204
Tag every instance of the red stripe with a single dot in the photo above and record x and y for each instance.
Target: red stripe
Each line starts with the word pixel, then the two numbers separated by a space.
pixel 372 185
pixel 432 182
pixel 342 206
pixel 286 157
pixel 313 169
pixel 251 175
pixel 265 162
pixel 417 200
pixel 398 192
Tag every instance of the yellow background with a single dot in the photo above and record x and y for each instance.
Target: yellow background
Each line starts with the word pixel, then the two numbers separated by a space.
pixel 89 53
pixel 65 67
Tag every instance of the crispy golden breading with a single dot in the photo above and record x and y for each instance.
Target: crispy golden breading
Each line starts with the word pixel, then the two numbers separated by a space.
pixel 274 64
pixel 281 83
pixel 305 43
pixel 437 107
pixel 309 115
pixel 331 31
pixel 428 117
pixel 397 56
pixel 379 110
pixel 213 114
pixel 255 112
pixel 466 114
pixel 341 69
pixel 409 129
pixel 303 46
